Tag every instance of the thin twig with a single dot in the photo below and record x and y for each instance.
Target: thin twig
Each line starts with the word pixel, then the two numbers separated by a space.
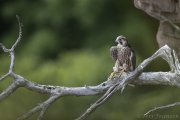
pixel 99 102
pixel 4 48
pixel 42 106
pixel 20 34
pixel 162 107
pixel 47 104
pixel 8 91
pixel 4 76
pixel 30 113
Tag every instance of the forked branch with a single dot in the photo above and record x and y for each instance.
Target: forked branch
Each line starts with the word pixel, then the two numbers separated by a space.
pixel 108 87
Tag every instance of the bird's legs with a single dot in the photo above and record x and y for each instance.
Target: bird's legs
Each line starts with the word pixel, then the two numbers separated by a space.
pixel 118 71
pixel 124 69
pixel 115 70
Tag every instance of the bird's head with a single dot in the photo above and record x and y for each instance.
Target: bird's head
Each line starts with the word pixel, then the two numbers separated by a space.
pixel 121 40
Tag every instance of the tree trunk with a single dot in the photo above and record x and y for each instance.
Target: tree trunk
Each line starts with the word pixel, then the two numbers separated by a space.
pixel 168 14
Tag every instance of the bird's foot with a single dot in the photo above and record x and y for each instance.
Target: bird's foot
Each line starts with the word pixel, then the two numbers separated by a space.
pixel 116 75
pixel 122 72
pixel 113 75
pixel 119 74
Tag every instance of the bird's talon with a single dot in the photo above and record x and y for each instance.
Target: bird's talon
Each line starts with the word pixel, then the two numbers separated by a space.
pixel 113 75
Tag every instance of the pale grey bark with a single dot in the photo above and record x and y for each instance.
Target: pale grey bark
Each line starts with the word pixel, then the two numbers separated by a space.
pixel 109 86
pixel 162 107
pixel 168 14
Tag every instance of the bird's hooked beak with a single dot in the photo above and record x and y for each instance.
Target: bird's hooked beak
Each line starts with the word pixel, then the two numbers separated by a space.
pixel 117 40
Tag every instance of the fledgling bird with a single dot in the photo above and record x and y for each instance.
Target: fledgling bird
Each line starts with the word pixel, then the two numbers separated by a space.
pixel 124 55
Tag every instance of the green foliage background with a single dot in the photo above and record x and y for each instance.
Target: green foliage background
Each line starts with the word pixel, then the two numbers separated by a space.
pixel 66 43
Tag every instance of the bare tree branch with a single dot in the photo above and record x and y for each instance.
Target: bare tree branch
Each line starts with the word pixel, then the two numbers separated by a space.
pixel 162 107
pixel 11 51
pixel 164 52
pixel 42 106
pixel 4 48
pixel 99 102
pixel 110 86
pixel 9 90
pixel 4 76
pixel 20 34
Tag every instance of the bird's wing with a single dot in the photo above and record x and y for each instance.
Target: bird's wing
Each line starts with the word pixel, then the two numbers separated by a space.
pixel 133 60
pixel 114 52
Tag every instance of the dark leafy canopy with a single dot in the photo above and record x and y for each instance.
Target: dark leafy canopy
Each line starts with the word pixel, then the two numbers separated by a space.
pixel 72 24
pixel 66 42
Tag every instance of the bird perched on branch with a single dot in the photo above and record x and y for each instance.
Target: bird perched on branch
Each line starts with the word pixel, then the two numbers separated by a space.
pixel 124 56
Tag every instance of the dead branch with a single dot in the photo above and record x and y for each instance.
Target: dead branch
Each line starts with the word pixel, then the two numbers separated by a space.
pixel 162 107
pixel 137 77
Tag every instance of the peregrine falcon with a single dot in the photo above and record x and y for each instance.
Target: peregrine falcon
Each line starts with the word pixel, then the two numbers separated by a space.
pixel 124 55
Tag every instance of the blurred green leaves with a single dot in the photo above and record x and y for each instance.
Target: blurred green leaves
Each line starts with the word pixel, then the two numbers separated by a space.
pixel 42 44
pixel 75 68
pixel 75 24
